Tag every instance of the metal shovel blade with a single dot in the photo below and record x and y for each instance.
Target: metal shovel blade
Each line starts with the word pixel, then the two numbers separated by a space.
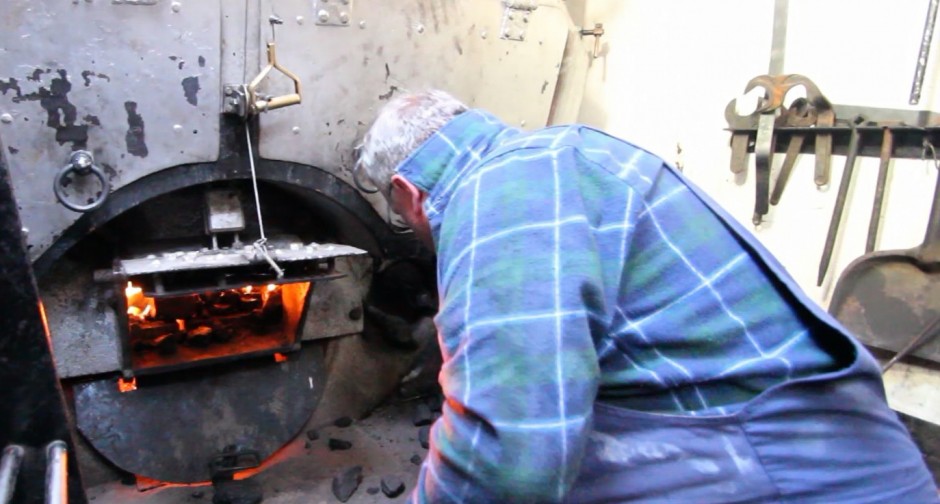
pixel 888 298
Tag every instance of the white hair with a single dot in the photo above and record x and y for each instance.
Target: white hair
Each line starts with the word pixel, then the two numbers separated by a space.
pixel 402 125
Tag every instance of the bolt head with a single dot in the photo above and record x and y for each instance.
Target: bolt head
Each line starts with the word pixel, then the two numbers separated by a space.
pixel 176 6
pixel 6 118
pixel 483 34
pixel 362 24
pixel 295 130
pixel 323 16
pixel 81 159
pixel 420 28
pixel 344 17
pixel 300 20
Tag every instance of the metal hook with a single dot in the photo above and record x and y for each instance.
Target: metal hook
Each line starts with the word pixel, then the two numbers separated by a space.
pixel 933 153
pixel 274 20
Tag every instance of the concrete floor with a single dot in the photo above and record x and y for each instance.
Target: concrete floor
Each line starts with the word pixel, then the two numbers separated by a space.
pixel 383 444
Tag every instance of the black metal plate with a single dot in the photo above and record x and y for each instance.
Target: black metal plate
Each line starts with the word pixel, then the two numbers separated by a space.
pixel 172 426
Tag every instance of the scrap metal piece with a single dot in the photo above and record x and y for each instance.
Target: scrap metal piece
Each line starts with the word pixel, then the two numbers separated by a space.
pixel 173 426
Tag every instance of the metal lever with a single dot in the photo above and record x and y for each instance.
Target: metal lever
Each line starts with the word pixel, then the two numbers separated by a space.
pixel 596 32
pixel 257 103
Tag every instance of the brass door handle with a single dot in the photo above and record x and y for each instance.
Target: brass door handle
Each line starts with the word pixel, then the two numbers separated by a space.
pixel 258 103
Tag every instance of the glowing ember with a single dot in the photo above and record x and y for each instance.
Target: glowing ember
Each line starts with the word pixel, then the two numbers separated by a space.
pixel 246 289
pixel 127 385
pixel 181 324
pixel 139 306
pixel 271 287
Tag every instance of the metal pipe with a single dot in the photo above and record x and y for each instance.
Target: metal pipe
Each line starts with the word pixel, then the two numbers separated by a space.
pixel 57 473
pixel 9 468
pixel 924 53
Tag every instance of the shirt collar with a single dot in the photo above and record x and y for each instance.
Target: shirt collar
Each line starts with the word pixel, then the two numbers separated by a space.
pixel 437 164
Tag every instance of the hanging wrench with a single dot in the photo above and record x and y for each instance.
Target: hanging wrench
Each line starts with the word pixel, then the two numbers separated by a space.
pixel 800 113
pixel 775 90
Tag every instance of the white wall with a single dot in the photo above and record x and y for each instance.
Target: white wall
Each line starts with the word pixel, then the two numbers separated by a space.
pixel 669 67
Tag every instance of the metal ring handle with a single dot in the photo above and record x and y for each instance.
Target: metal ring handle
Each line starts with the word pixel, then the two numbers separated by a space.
pixel 82 164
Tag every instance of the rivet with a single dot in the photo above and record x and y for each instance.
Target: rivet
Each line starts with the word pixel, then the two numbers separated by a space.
pixel 525 19
pixel 510 16
pixel 521 35
pixel 6 118
pixel 344 17
pixel 176 6
pixel 420 28
pixel 177 128
pixel 295 130
pixel 300 20
pixel 506 32
pixel 323 15
pixel 362 24
pixel 483 34
pixel 522 122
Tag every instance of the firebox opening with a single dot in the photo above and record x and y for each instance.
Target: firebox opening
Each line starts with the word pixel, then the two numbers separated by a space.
pixel 170 331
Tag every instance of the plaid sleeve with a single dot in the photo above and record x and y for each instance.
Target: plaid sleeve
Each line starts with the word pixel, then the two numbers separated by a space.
pixel 520 280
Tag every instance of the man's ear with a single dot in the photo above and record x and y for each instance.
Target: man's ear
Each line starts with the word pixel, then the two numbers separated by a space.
pixel 412 198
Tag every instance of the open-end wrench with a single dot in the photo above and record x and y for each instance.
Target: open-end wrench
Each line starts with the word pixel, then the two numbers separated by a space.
pixel 840 201
pixel 887 144
pixel 799 113
pixel 775 88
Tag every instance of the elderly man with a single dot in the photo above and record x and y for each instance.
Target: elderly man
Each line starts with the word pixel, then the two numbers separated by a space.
pixel 610 334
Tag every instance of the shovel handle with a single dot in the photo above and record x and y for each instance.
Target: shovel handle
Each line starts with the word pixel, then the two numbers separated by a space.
pixel 929 332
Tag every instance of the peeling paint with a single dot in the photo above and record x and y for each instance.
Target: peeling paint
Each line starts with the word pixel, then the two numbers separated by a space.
pixel 135 131
pixel 10 84
pixel 92 120
pixel 60 113
pixel 191 89
pixel 12 150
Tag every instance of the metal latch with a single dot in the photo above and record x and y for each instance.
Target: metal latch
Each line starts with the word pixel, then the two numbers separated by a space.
pixel 516 18
pixel 597 32
pixel 245 100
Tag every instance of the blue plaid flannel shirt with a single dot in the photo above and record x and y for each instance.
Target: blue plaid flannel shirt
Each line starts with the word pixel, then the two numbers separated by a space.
pixel 575 267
